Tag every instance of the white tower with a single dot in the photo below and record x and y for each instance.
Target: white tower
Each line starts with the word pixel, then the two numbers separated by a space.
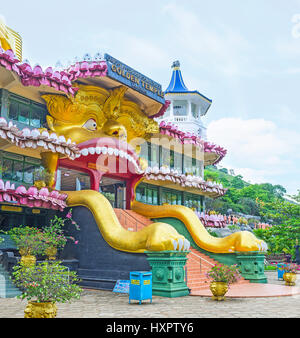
pixel 186 106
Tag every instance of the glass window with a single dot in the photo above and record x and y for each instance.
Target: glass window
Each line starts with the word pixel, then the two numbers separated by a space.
pixel 194 110
pixel 166 157
pixel 178 162
pixel 29 170
pixel 188 166
pixel 180 108
pixel 154 155
pixel 35 120
pixel 155 197
pixel 7 167
pixel 144 151
pixel 13 110
pixel 24 113
pixel 149 196
pixel 17 174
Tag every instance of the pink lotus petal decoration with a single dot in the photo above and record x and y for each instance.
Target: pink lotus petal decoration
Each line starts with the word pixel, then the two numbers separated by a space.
pixel 59 80
pixel 32 197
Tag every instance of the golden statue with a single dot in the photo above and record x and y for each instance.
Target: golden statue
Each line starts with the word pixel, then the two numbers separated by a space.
pixel 9 39
pixel 95 113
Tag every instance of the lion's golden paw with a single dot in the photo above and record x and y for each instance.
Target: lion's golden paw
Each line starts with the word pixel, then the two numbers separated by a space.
pixel 246 241
pixel 164 237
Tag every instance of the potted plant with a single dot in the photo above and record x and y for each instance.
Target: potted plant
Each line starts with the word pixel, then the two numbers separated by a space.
pixel 290 274
pixel 221 277
pixel 44 285
pixel 29 241
pixel 54 237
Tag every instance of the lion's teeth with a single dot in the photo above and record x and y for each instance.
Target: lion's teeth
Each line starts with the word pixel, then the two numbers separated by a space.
pixel 104 150
pixel 84 152
pixel 98 150
pixel 91 150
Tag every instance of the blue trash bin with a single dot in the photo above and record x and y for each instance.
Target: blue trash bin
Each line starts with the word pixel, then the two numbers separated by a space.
pixel 140 287
pixel 280 270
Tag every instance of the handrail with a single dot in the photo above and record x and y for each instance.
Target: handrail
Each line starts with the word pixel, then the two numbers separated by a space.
pixel 202 258
pixel 125 210
pixel 123 216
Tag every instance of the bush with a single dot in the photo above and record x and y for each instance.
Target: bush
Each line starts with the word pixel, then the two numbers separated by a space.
pixel 47 282
pixel 224 273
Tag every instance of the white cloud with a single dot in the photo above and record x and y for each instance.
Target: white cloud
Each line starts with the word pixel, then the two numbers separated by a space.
pixel 258 149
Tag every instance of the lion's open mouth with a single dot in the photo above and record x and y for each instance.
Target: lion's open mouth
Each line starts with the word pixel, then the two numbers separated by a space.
pixel 109 152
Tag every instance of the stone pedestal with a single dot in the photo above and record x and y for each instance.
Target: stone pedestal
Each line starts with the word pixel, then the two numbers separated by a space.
pixel 252 266
pixel 168 274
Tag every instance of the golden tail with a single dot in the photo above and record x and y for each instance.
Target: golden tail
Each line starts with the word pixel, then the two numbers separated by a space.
pixel 238 241
pixel 154 237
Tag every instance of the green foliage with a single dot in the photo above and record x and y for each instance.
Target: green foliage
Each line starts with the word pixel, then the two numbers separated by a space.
pixel 224 273
pixel 284 234
pixel 240 196
pixel 47 282
pixel 53 235
pixel 29 240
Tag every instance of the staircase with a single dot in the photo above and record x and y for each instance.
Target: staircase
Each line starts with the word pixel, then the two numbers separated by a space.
pixel 131 220
pixel 198 264
pixel 7 289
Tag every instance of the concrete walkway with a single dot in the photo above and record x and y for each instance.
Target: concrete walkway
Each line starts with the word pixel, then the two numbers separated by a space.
pixel 106 304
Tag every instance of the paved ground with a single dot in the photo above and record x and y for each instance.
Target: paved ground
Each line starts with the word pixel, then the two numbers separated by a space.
pixel 105 304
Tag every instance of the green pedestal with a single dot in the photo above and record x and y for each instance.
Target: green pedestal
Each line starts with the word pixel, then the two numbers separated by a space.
pixel 168 274
pixel 252 266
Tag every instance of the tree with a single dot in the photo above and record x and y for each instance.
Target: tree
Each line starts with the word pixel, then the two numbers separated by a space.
pixel 282 236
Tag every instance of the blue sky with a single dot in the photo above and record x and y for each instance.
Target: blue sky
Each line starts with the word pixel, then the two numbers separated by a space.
pixel 244 55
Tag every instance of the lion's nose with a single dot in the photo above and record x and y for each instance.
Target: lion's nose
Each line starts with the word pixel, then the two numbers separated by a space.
pixel 115 129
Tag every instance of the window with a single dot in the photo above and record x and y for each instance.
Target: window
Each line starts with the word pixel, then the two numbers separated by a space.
pixel 18 168
pixel 26 112
pixel 193 201
pixel 194 110
pixel 147 193
pixel 154 155
pixel 180 108
pixel 188 166
pixel 166 157
pixel 178 162
pixel 171 196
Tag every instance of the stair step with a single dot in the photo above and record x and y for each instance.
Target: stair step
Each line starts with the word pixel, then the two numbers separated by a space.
pixel 197 280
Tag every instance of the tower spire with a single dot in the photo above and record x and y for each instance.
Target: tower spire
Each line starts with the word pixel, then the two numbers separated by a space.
pixel 176 84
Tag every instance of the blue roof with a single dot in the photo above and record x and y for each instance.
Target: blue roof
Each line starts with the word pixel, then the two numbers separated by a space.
pixel 177 85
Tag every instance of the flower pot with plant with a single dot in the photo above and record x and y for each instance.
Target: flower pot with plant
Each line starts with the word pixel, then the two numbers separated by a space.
pixel 290 274
pixel 29 241
pixel 44 285
pixel 221 277
pixel 54 237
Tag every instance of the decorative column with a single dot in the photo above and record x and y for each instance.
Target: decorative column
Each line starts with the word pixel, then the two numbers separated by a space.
pixel 172 110
pixel 189 110
pixel 168 274
pixel 252 266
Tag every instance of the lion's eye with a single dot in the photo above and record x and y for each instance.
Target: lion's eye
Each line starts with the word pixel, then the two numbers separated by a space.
pixel 90 125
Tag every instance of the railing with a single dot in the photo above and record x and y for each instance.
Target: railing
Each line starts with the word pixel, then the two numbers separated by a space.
pixel 200 263
pixel 124 218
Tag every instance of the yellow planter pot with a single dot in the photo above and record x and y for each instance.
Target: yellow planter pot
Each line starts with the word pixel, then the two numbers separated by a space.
pixel 28 260
pixel 290 278
pixel 51 253
pixel 218 290
pixel 40 310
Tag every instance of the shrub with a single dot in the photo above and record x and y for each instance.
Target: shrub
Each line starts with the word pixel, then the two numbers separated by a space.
pixel 47 282
pixel 224 273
